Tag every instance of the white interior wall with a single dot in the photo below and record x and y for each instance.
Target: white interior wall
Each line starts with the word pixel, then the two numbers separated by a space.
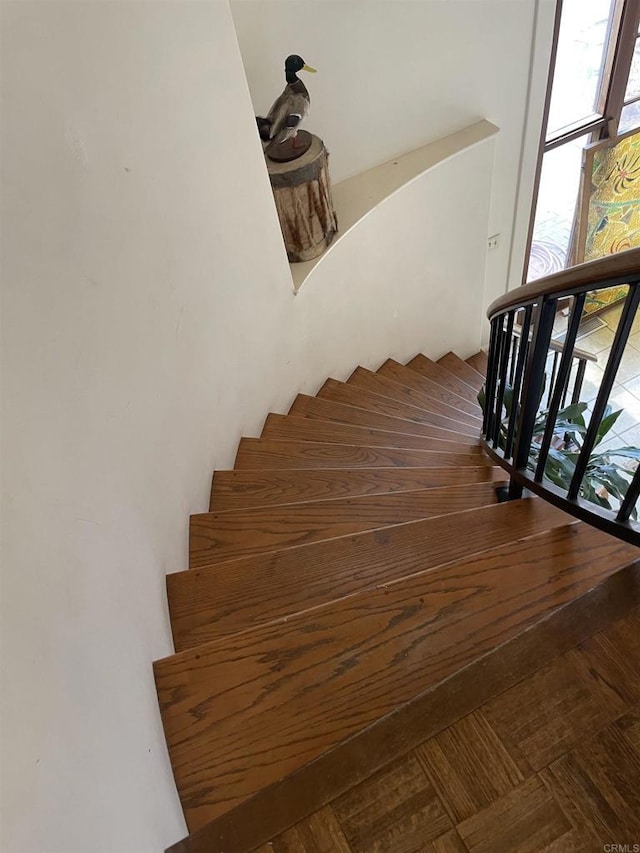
pixel 396 74
pixel 148 321
pixel 538 75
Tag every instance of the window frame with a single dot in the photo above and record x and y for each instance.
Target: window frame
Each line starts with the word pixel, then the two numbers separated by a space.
pixel 610 101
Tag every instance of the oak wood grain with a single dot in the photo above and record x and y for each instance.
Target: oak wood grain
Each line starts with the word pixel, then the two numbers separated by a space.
pixel 244 712
pixel 433 390
pixel 317 408
pixel 216 537
pixel 314 785
pixel 461 369
pixel 265 487
pixel 340 392
pixel 209 603
pixel 291 428
pixel 432 370
pixel 273 453
pixel 369 381
pixel 479 362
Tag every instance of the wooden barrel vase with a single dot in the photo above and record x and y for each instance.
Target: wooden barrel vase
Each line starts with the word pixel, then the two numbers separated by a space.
pixel 302 192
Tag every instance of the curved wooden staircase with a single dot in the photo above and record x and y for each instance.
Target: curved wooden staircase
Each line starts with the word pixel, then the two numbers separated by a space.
pixel 355 588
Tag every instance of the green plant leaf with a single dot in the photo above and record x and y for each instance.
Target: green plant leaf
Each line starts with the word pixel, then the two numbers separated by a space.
pixel 571 426
pixel 589 493
pixel 613 482
pixel 620 483
pixel 542 389
pixel 561 463
pixel 606 424
pixel 482 399
pixel 573 411
pixel 625 452
pixel 553 472
pixel 508 399
pixel 565 465
pixel 570 418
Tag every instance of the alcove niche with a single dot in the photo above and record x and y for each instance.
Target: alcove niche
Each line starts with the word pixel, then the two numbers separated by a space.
pixel 383 128
pixel 358 196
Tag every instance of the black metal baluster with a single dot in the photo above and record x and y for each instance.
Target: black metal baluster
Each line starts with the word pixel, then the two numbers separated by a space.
pixel 514 351
pixel 533 384
pixel 562 383
pixel 495 411
pixel 553 378
pixel 490 384
pixel 615 357
pixel 630 499
pixel 577 387
pixel 567 381
pixel 517 381
pixel 504 364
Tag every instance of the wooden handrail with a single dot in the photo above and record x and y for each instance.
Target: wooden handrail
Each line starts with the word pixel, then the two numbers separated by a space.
pixel 622 265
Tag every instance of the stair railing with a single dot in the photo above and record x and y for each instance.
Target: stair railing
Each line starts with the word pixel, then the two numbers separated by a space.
pixel 531 376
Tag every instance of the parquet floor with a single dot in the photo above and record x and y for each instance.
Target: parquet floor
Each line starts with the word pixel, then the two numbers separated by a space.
pixel 553 764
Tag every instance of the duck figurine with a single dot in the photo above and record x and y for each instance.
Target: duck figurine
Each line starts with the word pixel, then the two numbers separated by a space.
pixel 285 116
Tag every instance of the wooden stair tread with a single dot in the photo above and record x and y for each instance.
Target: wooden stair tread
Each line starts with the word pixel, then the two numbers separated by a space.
pixel 212 602
pixel 433 390
pixel 217 537
pixel 479 361
pixel 432 370
pixel 264 487
pixel 317 408
pixel 340 392
pixel 363 378
pixel 279 807
pixel 291 428
pixel 467 373
pixel 287 692
pixel 353 395
pixel 272 453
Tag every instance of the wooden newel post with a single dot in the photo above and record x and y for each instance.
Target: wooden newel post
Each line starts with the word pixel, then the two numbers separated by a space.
pixel 302 192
